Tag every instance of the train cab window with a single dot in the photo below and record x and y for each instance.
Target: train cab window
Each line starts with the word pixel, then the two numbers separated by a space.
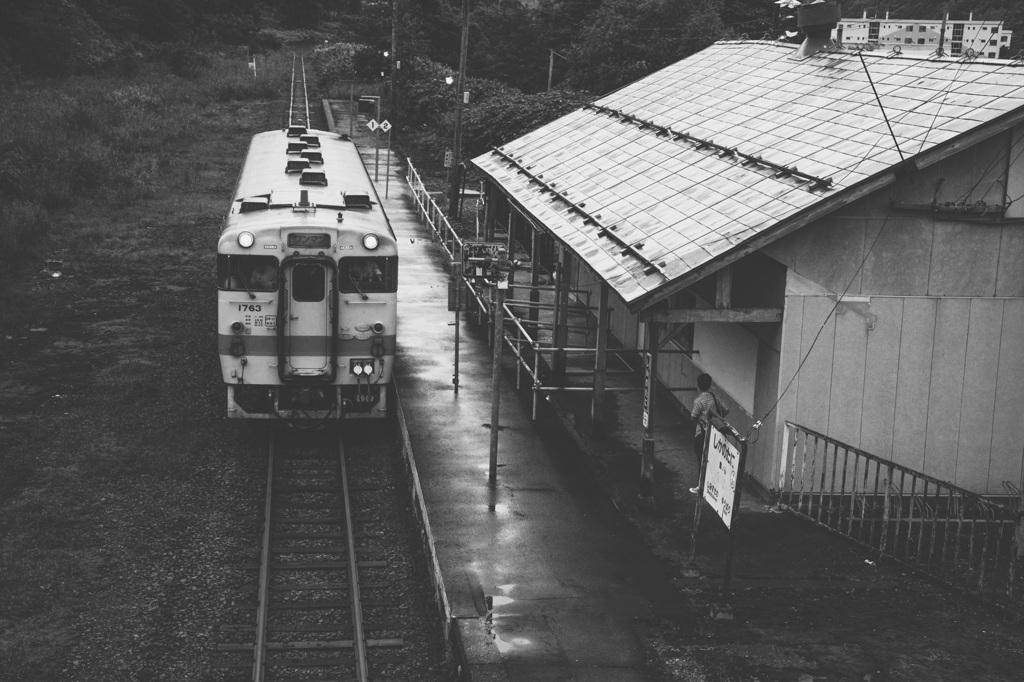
pixel 247 273
pixel 375 274
pixel 309 282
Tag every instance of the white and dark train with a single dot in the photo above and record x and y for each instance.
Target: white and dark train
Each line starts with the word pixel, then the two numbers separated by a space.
pixel 307 271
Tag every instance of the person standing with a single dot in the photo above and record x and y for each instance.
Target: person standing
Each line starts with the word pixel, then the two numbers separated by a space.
pixel 706 404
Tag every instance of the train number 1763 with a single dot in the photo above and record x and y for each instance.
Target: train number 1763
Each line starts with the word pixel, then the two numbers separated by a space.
pixel 249 307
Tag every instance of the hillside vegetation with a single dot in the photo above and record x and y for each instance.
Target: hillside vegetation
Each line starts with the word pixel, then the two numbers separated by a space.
pixel 527 64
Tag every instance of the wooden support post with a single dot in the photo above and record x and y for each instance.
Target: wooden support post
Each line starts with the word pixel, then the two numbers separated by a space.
pixel 561 329
pixel 650 384
pixel 490 205
pixel 499 324
pixel 600 363
pixel 511 250
pixel 534 312
pixel 723 288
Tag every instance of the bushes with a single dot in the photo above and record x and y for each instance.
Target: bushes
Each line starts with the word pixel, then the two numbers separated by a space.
pixel 503 118
pixel 187 63
pixel 497 113
pixel 331 63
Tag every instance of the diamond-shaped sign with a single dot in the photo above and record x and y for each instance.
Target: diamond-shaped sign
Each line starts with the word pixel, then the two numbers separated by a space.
pixel 372 124
pixel 385 126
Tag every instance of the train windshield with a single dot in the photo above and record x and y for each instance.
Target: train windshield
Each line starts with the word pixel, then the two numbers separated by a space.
pixel 247 273
pixel 309 282
pixel 374 274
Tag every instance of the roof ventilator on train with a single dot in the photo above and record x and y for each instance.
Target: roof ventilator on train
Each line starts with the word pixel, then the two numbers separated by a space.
pixel 250 204
pixel 312 156
pixel 313 177
pixel 357 199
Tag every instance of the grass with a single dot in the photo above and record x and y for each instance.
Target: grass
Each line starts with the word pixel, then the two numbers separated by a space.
pixel 105 139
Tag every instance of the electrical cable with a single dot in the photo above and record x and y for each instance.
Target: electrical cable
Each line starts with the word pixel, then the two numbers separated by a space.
pixel 839 300
pixel 757 425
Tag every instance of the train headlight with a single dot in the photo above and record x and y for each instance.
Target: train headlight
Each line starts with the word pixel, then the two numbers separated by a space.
pixel 362 366
pixel 245 239
pixel 371 242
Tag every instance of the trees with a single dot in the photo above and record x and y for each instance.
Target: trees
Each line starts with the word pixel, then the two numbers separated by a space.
pixel 627 39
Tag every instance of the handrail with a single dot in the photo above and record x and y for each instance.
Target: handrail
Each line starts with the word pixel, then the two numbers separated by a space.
pixel 965 540
pixel 428 209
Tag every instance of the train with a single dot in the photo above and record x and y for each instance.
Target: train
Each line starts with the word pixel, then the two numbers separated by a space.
pixel 307 272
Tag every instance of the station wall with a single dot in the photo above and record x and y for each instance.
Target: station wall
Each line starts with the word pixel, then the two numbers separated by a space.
pixel 935 384
pixel 922 361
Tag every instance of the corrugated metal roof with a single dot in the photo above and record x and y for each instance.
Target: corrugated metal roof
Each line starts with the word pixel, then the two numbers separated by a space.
pixel 686 165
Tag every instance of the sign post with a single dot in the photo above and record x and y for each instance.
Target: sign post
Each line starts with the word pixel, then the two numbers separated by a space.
pixel 374 126
pixel 456 302
pixel 498 273
pixel 722 468
pixel 386 127
pixel 646 488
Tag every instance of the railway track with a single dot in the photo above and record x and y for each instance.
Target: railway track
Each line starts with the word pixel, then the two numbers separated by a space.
pixel 316 575
pixel 298 106
pixel 336 592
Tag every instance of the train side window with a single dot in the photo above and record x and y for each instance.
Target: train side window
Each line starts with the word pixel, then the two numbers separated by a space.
pixel 247 273
pixel 376 274
pixel 309 282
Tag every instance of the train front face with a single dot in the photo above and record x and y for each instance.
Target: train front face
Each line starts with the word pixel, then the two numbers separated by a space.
pixel 307 316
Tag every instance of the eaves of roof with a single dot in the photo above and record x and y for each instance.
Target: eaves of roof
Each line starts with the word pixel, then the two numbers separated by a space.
pixel 666 180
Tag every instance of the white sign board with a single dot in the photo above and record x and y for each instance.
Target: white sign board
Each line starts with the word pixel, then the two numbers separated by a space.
pixel 372 124
pixel 385 126
pixel 721 475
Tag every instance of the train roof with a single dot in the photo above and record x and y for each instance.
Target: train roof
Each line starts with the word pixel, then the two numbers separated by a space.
pixel 266 196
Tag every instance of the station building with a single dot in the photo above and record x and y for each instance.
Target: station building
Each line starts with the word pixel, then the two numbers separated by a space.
pixel 836 237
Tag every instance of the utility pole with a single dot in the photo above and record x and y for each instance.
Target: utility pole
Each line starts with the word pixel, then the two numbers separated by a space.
pixel 453 199
pixel 394 58
pixel 551 65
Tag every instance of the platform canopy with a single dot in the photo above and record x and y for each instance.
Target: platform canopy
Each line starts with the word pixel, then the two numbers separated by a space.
pixel 667 179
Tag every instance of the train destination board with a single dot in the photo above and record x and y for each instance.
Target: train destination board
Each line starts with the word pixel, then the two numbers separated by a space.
pixel 303 240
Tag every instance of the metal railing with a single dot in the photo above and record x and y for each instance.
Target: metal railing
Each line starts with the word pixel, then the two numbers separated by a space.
pixel 431 214
pixel 532 354
pixel 967 541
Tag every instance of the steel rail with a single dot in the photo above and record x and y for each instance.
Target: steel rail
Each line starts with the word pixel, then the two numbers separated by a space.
pixel 259 644
pixel 291 100
pixel 358 637
pixel 305 91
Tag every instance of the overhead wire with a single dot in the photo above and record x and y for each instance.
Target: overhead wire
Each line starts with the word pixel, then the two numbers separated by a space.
pixel 839 298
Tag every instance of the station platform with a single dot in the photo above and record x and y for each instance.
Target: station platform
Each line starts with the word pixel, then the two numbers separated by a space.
pixel 559 572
